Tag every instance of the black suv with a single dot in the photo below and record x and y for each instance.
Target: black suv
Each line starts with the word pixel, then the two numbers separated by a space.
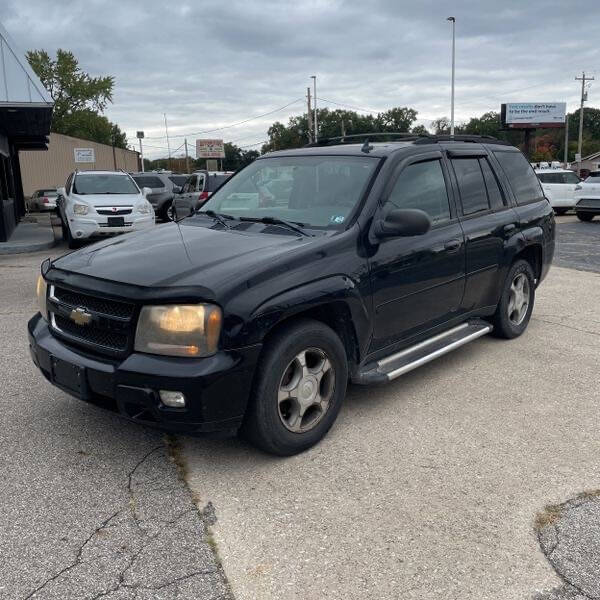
pixel 365 261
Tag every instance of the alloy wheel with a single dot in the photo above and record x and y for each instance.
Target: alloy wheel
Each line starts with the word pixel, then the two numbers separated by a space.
pixel 519 298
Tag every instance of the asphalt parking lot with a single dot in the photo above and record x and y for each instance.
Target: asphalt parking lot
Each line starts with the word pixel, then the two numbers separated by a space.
pixel 426 488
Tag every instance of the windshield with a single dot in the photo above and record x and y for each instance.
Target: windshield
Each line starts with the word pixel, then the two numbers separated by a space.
pixel 318 191
pixel 594 176
pixel 99 183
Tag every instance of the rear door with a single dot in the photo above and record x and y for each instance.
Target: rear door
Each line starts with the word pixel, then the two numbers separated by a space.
pixel 487 221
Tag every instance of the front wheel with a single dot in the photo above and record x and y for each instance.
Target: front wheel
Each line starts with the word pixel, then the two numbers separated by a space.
pixel 299 388
pixel 587 217
pixel 516 302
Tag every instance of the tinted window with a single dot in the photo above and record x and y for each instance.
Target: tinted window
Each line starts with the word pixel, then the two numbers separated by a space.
pixel 593 176
pixel 214 181
pixel 178 179
pixel 472 188
pixel 52 192
pixel 521 176
pixel 422 186
pixel 495 197
pixel 148 181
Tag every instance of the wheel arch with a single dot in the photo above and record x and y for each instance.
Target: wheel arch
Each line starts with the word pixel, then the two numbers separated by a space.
pixel 533 254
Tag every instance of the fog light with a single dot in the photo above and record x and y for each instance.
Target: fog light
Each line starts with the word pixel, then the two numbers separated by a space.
pixel 172 399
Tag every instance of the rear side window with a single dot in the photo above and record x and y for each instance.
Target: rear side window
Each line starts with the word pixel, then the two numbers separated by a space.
pixel 421 186
pixel 148 181
pixel 521 176
pixel 472 188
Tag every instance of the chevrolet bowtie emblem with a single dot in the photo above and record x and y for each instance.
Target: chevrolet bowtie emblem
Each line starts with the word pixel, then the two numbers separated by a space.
pixel 80 316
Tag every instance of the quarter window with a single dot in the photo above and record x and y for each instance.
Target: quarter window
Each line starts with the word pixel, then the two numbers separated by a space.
pixel 422 186
pixel 495 197
pixel 472 188
pixel 521 176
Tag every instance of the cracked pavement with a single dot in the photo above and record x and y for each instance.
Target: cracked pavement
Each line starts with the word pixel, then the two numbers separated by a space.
pixel 92 506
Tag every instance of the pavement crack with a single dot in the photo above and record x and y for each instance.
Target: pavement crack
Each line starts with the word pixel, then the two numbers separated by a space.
pixel 566 326
pixel 78 556
pixel 132 503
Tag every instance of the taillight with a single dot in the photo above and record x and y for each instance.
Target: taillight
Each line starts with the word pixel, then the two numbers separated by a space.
pixel 203 196
pixel 45 200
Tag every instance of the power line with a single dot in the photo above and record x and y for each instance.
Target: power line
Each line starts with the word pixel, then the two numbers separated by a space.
pixel 369 110
pixel 232 124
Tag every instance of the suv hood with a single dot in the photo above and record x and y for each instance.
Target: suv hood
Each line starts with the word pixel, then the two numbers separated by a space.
pixel 181 254
pixel 107 199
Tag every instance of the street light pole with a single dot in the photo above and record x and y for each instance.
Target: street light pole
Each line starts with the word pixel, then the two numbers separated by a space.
pixel 453 20
pixel 316 124
pixel 168 141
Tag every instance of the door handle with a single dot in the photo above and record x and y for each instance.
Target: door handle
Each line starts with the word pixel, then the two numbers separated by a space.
pixel 509 228
pixel 452 245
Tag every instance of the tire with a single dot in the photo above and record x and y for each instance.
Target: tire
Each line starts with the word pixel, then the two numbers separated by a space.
pixel 72 243
pixel 560 211
pixel 510 322
pixel 276 421
pixel 165 212
pixel 587 217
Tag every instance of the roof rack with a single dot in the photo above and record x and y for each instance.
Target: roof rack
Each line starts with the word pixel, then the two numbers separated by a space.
pixel 418 138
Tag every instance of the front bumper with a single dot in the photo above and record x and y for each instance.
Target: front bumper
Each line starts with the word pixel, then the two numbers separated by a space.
pixel 216 388
pixel 588 205
pixel 86 227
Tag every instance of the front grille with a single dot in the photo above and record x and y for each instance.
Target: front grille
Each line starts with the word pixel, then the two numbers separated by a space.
pixel 92 334
pixel 108 225
pixel 103 325
pixel 115 213
pixel 111 308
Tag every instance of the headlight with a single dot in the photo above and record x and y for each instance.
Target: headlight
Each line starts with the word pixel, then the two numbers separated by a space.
pixel 179 330
pixel 145 208
pixel 41 290
pixel 81 209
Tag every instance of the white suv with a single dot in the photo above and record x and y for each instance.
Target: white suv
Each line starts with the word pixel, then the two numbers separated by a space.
pixel 100 203
pixel 559 187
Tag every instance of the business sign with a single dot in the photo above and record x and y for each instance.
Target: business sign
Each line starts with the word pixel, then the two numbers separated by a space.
pixel 84 155
pixel 517 115
pixel 210 149
pixel 139 135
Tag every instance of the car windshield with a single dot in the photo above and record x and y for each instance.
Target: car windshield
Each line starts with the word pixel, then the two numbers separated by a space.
pixel 317 191
pixel 48 193
pixel 100 183
pixel 593 177
pixel 178 179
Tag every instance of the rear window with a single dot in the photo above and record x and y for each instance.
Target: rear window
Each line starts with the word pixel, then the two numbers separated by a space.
pixel 148 181
pixel 214 181
pixel 593 176
pixel 178 179
pixel 52 192
pixel 521 176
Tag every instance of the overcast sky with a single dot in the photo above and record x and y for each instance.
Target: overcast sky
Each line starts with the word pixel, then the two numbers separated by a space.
pixel 209 64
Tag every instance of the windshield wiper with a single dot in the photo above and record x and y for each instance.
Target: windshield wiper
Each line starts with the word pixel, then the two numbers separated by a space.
pixel 297 227
pixel 220 218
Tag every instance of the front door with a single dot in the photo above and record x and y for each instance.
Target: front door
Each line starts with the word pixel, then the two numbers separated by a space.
pixel 418 281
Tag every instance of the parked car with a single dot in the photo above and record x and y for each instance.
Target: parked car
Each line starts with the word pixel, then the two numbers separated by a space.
pixel 163 188
pixel 197 189
pixel 559 186
pixel 43 199
pixel 382 256
pixel 587 197
pixel 101 203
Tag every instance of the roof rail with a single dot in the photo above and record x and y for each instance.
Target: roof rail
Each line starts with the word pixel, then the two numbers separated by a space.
pixel 417 138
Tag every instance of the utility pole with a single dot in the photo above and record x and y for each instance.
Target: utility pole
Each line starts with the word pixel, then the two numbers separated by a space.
pixel 112 139
pixel 140 136
pixel 583 79
pixel 343 129
pixel 187 158
pixel 168 142
pixel 453 21
pixel 316 124
pixel 566 139
pixel 310 116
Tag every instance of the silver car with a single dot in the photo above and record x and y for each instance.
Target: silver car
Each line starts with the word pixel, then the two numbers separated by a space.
pixel 43 199
pixel 163 188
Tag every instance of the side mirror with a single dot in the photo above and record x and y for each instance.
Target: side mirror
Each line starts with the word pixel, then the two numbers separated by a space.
pixel 177 189
pixel 61 191
pixel 403 222
pixel 146 191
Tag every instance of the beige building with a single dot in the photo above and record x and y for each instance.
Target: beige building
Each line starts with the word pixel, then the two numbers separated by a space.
pixel 50 169
pixel 588 163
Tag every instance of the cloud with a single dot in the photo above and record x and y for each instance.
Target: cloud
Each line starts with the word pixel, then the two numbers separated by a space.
pixel 210 63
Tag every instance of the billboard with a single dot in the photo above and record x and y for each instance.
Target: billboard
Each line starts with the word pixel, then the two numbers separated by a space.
pixel 84 155
pixel 523 115
pixel 210 149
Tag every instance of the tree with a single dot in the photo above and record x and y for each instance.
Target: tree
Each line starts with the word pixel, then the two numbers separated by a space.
pixel 78 98
pixel 441 126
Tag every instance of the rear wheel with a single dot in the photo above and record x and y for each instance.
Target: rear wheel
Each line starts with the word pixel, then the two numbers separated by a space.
pixel 516 302
pixel 299 388
pixel 166 211
pixel 560 211
pixel 584 216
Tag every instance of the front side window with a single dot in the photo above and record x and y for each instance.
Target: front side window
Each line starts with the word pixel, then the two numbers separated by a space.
pixel 521 176
pixel 569 178
pixel 317 191
pixel 422 186
pixel 472 188
pixel 99 183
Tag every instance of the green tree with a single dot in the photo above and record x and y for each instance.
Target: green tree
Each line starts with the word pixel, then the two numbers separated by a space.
pixel 78 98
